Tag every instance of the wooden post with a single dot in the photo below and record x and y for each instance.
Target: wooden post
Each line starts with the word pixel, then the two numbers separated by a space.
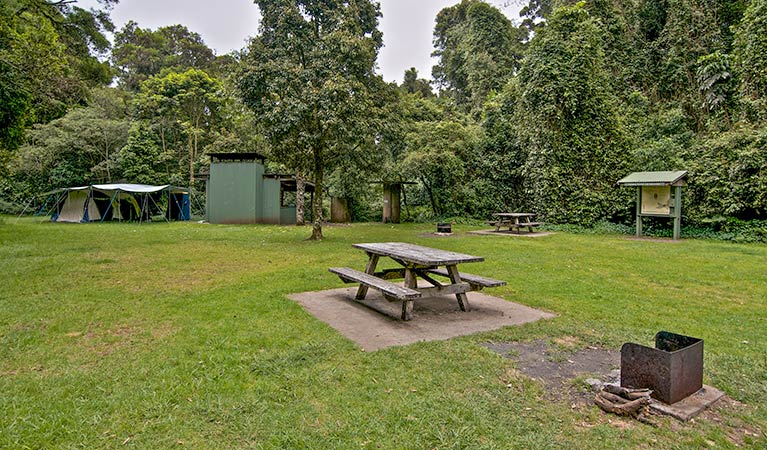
pixel 391 202
pixel 463 300
pixel 362 291
pixel 677 211
pixel 639 211
pixel 339 210
pixel 410 282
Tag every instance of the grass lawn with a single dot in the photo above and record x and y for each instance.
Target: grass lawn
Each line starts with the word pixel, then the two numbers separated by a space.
pixel 181 335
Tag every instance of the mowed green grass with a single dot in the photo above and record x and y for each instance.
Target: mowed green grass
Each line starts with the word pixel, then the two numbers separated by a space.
pixel 182 335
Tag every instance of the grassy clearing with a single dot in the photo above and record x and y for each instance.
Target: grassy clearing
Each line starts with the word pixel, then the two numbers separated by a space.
pixel 162 335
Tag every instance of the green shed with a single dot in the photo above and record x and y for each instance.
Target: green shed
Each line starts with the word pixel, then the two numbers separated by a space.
pixel 659 194
pixel 240 191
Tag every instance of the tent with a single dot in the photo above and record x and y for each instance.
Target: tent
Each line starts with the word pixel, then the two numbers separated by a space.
pixel 99 202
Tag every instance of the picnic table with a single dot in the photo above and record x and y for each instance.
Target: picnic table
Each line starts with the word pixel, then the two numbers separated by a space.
pixel 514 221
pixel 417 262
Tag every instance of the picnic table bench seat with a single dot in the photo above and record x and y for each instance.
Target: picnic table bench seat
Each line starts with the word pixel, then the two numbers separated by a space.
pixel 387 288
pixel 477 282
pixel 525 224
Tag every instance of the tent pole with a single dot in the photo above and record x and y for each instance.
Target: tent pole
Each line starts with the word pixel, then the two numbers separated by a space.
pixel 57 202
pixel 25 209
pixel 108 207
pixel 175 200
pixel 158 207
pixel 87 203
pixel 141 213
pixel 42 208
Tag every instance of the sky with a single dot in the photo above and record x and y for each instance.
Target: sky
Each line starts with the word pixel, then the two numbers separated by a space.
pixel 225 25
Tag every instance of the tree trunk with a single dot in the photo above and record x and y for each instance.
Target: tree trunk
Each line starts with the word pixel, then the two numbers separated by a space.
pixel 317 200
pixel 193 152
pixel 300 189
pixel 430 193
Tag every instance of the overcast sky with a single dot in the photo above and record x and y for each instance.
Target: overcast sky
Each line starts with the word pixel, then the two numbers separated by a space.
pixel 407 26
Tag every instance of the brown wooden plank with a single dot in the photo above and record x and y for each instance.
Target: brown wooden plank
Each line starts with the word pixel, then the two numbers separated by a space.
pixel 526 224
pixel 446 289
pixel 391 274
pixel 471 279
pixel 362 291
pixel 455 277
pixel 387 288
pixel 417 254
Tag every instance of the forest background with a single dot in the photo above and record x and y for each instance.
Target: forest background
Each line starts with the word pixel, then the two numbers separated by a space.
pixel 545 115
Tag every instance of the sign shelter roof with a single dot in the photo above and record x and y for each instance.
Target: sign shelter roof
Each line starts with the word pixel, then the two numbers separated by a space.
pixel 668 178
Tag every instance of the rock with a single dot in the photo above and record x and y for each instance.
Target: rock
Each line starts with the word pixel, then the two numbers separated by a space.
pixel 595 384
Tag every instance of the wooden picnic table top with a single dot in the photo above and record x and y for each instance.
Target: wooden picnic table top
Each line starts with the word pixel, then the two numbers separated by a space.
pixel 519 214
pixel 417 254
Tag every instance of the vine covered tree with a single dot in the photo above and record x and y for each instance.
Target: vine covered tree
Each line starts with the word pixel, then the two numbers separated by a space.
pixel 478 49
pixel 570 126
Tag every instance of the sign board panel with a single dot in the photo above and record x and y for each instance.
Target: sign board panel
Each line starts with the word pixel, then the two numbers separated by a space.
pixel 656 200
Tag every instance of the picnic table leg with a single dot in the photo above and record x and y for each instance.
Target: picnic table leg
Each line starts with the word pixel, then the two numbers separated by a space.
pixel 407 305
pixel 362 291
pixel 455 278
pixel 527 221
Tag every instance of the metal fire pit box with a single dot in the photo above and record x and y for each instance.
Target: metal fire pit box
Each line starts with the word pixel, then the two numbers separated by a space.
pixel 444 228
pixel 673 369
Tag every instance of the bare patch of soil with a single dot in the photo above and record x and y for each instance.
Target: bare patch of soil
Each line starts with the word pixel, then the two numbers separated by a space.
pixel 558 365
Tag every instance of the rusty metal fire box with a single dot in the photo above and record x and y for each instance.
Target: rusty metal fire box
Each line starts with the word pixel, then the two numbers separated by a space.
pixel 673 369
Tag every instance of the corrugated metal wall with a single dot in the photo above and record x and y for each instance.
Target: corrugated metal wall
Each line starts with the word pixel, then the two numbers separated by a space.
pixel 234 192
pixel 271 201
pixel 239 193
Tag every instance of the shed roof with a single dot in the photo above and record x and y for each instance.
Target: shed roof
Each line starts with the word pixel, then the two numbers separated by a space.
pixel 669 178
pixel 244 156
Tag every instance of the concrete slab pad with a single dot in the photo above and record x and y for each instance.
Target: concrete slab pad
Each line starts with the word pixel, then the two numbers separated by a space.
pixel 376 323
pixel 512 233
pixel 691 406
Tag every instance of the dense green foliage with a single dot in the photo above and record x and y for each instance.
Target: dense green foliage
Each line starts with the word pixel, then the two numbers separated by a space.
pixel 141 53
pixel 544 116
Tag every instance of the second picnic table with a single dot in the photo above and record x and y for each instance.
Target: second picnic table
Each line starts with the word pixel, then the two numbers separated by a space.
pixel 514 221
pixel 417 262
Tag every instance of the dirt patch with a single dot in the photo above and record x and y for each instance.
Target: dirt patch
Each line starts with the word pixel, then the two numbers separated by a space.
pixel 650 239
pixel 534 234
pixel 559 365
pixel 438 235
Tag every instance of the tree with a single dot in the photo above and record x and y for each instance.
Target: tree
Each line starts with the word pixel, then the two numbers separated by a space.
pixel 440 155
pixel 569 122
pixel 309 78
pixel 79 148
pixel 47 62
pixel 411 84
pixel 716 85
pixel 141 53
pixel 478 49
pixel 186 103
pixel 751 58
